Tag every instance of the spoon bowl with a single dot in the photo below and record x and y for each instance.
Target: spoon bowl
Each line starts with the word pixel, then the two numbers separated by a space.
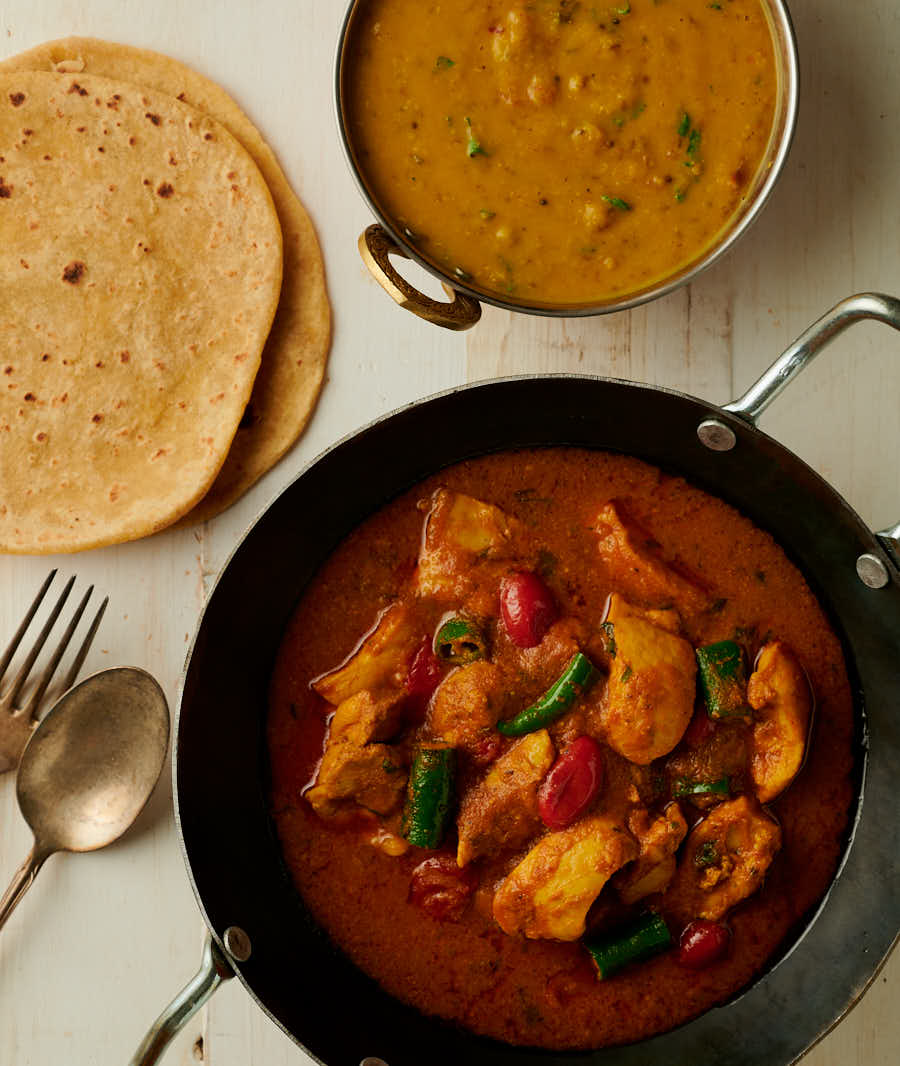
pixel 90 767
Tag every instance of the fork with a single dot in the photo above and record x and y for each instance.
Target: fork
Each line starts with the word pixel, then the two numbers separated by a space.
pixel 17 723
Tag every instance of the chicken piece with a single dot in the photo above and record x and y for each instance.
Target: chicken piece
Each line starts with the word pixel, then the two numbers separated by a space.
pixel 466 706
pixel 544 662
pixel 380 660
pixel 502 811
pixel 779 693
pixel 655 866
pixel 547 896
pixel 724 752
pixel 652 679
pixel 725 859
pixel 356 768
pixel 635 565
pixel 462 535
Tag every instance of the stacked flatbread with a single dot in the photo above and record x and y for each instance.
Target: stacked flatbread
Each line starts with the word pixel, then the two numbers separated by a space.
pixel 164 323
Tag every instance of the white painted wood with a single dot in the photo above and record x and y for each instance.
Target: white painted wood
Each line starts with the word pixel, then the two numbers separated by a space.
pixel 103 941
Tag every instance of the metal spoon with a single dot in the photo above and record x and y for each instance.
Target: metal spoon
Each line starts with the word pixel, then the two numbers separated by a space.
pixel 89 768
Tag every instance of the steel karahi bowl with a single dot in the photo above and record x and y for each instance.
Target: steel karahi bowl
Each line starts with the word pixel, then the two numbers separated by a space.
pixel 385 238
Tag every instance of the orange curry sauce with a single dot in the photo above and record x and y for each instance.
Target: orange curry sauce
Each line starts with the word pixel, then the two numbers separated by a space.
pixel 729 580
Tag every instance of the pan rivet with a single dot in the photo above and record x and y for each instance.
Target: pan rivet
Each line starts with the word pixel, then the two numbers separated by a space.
pixel 716 436
pixel 237 943
pixel 872 571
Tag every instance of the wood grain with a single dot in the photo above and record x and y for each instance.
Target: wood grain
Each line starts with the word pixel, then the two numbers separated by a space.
pixel 103 941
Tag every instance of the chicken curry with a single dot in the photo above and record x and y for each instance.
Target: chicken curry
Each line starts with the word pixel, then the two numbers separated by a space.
pixel 558 151
pixel 560 748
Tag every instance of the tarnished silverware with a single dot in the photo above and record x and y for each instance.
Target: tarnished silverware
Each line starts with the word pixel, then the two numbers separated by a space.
pixel 90 768
pixel 17 723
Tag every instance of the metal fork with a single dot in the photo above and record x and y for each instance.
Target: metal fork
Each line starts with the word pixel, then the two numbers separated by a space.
pixel 18 723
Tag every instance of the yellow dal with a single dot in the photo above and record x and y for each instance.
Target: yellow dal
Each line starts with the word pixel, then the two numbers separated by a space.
pixel 556 151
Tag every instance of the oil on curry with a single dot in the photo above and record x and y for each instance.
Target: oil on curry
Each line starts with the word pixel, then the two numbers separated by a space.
pixel 561 152
pixel 561 748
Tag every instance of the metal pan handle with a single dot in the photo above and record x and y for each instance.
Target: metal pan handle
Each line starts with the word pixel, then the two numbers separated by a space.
pixel 215 967
pixel 808 345
pixel 376 247
pixel 721 437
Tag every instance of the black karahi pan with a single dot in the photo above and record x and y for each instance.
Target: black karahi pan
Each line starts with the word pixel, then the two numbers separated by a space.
pixel 259 927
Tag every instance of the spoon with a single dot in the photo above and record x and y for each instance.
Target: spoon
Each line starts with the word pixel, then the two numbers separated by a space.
pixel 89 768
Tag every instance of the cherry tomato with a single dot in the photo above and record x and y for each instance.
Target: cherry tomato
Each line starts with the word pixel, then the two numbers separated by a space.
pixel 572 784
pixel 441 889
pixel 424 674
pixel 527 607
pixel 702 943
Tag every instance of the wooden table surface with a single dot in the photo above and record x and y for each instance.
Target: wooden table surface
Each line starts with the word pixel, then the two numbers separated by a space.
pixel 104 940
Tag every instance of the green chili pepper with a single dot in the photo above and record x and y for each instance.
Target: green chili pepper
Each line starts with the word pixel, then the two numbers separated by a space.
pixel 459 641
pixel 429 795
pixel 723 679
pixel 648 936
pixel 686 787
pixel 576 679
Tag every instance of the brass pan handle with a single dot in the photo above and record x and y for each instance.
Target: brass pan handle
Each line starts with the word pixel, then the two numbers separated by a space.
pixel 719 436
pixel 376 247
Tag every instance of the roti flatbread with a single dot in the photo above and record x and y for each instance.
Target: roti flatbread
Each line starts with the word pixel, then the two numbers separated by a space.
pixel 294 359
pixel 140 270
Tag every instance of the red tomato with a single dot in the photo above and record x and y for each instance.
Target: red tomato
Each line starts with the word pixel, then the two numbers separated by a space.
pixel 527 607
pixel 702 943
pixel 441 889
pixel 424 674
pixel 573 783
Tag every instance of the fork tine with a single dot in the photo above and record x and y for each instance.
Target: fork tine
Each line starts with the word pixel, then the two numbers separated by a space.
pixel 25 669
pixel 37 695
pixel 85 647
pixel 26 622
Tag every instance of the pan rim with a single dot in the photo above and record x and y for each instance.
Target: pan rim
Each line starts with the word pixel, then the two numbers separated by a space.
pixel 702 408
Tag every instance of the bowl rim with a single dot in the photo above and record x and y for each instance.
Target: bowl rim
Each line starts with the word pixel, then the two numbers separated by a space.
pixel 784 40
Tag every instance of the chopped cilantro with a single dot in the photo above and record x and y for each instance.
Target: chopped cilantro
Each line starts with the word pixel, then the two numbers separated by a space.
pixel 617 203
pixel 473 148
pixel 684 124
pixel 443 63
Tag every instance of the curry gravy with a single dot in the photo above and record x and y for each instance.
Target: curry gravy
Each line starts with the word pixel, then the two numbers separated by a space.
pixel 542 992
pixel 557 151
